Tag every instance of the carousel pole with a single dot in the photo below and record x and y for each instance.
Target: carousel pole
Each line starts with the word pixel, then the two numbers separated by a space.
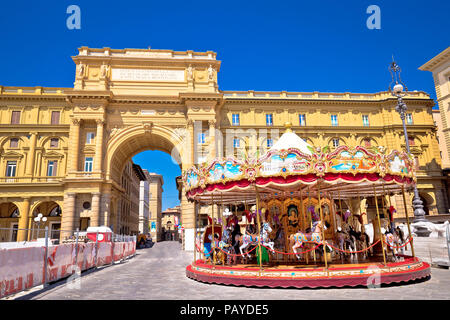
pixel 303 218
pixel 301 208
pixel 213 231
pixel 391 223
pixel 323 229
pixel 407 221
pixel 340 208
pixel 258 219
pixel 333 210
pixel 195 231
pixel 379 224
pixel 310 219
pixel 363 229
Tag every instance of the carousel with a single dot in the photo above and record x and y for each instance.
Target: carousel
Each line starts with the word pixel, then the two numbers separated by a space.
pixel 304 217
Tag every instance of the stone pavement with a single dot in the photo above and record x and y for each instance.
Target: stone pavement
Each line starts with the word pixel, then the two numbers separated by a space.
pixel 159 273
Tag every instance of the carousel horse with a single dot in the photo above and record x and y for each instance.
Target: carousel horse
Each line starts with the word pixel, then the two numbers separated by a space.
pixel 207 247
pixel 296 240
pixel 401 237
pixel 224 245
pixel 344 241
pixel 360 240
pixel 392 239
pixel 252 239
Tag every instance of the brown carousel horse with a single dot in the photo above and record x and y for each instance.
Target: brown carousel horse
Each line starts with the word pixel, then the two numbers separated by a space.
pixel 298 239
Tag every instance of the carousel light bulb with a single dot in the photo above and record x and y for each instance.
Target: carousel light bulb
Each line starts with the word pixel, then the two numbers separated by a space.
pixel 36 219
pixel 44 219
pixel 39 215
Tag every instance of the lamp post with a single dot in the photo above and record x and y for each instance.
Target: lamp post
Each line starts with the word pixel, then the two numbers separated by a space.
pixel 39 219
pixel 399 90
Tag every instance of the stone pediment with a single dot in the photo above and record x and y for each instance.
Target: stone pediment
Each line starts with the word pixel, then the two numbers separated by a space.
pixel 12 155
pixel 52 154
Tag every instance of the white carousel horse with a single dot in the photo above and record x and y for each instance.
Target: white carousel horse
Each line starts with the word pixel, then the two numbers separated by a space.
pixel 393 241
pixel 248 239
pixel 297 239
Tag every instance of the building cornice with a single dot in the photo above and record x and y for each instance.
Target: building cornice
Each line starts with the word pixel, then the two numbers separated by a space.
pixel 436 61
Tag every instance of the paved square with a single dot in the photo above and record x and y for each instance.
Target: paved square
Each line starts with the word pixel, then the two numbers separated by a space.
pixel 159 273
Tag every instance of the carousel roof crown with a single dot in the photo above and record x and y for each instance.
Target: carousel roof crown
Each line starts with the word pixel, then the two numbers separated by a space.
pixel 290 140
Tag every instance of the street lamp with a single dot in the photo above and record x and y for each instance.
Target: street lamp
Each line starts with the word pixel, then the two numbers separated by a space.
pixel 399 90
pixel 39 219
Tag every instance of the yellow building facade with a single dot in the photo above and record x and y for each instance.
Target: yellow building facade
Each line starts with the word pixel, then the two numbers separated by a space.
pixel 125 101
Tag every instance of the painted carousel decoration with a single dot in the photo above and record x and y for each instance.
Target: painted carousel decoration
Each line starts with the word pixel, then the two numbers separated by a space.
pixel 304 217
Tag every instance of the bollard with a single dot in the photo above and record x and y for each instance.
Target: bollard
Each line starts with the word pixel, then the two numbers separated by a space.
pixel 46 257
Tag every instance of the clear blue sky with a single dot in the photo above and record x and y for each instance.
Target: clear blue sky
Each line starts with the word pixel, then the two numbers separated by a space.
pixel 263 45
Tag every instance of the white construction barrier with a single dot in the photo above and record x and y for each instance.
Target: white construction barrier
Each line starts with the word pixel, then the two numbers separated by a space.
pixel 23 268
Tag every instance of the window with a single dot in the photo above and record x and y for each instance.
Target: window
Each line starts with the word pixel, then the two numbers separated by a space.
pixel 86 205
pixel 409 118
pixel 11 168
pixel 269 143
pixel 201 138
pixel 55 117
pixel 334 120
pixel 365 119
pixel 90 136
pixel 235 119
pixel 15 117
pixel 14 143
pixel 55 230
pixel 51 168
pixel 335 142
pixel 302 119
pixel 269 119
pixel 54 142
pixel 236 143
pixel 88 164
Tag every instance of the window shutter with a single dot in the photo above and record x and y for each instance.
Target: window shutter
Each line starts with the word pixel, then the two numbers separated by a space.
pixel 55 117
pixel 15 118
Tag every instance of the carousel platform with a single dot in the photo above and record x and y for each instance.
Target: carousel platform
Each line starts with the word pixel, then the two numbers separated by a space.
pixel 337 275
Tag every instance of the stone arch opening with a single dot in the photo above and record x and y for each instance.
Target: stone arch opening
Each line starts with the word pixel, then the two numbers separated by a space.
pixel 121 149
pixel 53 212
pixel 9 221
pixel 131 141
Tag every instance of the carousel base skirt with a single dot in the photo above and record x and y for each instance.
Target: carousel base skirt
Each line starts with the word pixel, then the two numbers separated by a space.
pixel 351 275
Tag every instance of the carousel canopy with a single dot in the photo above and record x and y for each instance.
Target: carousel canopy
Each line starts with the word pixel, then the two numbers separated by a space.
pixel 292 168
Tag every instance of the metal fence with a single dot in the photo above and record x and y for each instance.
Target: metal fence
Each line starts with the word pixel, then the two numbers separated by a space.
pixel 40 260
pixel 53 235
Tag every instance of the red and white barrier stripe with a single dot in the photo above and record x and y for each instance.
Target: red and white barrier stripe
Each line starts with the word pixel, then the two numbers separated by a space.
pixel 23 268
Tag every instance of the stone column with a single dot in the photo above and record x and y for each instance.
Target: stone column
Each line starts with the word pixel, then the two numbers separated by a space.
pixel 212 139
pixel 69 216
pixel 99 146
pixel 23 220
pixel 95 209
pixel 189 159
pixel 29 170
pixel 105 206
pixel 74 145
